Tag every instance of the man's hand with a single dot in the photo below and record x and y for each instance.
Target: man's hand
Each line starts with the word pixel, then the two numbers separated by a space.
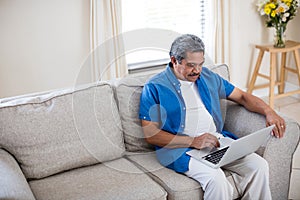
pixel 205 140
pixel 273 118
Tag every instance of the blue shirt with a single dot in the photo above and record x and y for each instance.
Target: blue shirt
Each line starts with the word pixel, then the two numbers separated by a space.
pixel 162 102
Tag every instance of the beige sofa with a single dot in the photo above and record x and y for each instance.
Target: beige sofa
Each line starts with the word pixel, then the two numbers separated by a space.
pixel 294 192
pixel 87 143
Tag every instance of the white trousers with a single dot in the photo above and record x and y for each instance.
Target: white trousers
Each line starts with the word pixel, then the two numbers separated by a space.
pixel 250 174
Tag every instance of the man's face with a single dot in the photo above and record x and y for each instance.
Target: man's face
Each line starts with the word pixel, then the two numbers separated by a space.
pixel 190 67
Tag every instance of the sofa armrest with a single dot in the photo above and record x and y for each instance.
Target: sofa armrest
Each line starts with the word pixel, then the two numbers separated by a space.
pixel 13 184
pixel 240 121
pixel 277 152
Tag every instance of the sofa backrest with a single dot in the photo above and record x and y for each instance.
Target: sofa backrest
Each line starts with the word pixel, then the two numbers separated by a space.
pixel 62 130
pixel 128 91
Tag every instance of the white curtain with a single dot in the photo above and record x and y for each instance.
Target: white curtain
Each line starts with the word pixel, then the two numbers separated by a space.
pixel 107 49
pixel 220 32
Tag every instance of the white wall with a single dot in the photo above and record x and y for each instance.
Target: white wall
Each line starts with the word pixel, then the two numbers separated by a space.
pixel 43 44
pixel 247 28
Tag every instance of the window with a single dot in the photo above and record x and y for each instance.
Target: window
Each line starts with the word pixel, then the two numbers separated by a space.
pixel 176 15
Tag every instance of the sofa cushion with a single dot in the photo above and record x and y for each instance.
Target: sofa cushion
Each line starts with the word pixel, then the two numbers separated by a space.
pixel 12 182
pixel 178 186
pixel 113 180
pixel 62 130
pixel 128 91
pixel 223 71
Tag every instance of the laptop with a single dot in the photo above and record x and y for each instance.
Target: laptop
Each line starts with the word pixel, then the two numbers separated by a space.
pixel 231 150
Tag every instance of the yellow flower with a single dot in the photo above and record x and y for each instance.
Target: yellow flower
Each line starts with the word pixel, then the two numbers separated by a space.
pixel 267 10
pixel 272 5
pixel 287 2
pixel 273 14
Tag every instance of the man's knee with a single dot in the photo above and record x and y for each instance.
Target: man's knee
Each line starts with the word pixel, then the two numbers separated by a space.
pixel 218 187
pixel 218 181
pixel 262 165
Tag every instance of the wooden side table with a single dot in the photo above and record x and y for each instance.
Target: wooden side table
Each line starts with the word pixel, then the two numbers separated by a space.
pixel 291 46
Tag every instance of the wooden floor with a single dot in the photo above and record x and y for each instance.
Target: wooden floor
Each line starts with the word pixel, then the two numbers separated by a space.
pixel 289 106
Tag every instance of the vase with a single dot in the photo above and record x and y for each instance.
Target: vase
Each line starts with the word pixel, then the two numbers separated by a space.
pixel 279 36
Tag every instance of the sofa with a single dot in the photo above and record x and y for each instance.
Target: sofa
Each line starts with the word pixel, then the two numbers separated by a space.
pixel 86 142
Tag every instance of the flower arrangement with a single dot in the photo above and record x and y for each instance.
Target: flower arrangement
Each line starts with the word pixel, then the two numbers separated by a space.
pixel 278 13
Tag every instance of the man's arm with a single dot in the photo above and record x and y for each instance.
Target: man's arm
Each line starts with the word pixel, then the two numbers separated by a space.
pixel 255 104
pixel 161 138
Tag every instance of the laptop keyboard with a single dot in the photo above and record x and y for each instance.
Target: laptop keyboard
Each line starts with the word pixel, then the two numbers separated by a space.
pixel 216 156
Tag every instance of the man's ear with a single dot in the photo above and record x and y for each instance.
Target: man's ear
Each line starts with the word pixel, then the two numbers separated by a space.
pixel 173 60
